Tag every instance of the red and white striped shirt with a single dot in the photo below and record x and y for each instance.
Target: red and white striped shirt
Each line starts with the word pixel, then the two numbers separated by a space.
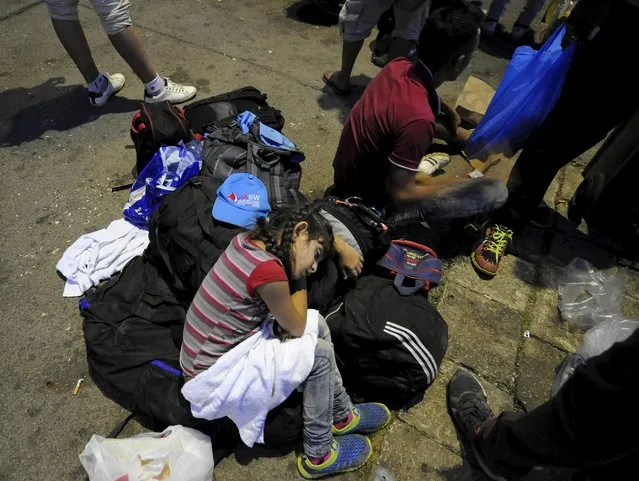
pixel 226 309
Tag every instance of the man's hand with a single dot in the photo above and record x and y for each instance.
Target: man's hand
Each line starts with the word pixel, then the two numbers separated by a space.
pixel 450 118
pixel 349 260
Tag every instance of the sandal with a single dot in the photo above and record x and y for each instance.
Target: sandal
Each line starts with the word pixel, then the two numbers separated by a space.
pixel 339 91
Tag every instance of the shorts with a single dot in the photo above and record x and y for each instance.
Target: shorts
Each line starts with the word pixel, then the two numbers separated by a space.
pixel 358 17
pixel 115 15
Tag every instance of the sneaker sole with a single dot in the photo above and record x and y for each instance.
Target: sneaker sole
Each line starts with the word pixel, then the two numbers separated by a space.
pixel 473 260
pixel 306 475
pixel 151 100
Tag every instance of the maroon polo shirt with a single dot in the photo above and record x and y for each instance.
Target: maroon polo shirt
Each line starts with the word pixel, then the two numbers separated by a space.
pixel 392 123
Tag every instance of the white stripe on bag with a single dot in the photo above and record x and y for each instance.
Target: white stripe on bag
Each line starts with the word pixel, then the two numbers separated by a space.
pixel 409 348
pixel 415 347
pixel 417 341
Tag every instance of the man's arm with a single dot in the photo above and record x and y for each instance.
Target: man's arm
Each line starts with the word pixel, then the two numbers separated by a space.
pixel 408 186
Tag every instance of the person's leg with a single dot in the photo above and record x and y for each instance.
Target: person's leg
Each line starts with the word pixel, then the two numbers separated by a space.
pixel 530 11
pixel 73 40
pixel 410 16
pixel 583 426
pixel 128 45
pixel 324 455
pixel 455 201
pixel 317 411
pixel 342 405
pixel 357 19
pixel 115 16
pixel 496 10
pixel 583 114
pixel 64 17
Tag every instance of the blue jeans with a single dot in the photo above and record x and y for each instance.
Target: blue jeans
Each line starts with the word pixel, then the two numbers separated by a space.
pixel 325 398
pixel 455 201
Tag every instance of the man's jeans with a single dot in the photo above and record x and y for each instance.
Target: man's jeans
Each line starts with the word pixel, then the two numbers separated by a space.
pixel 325 399
pixel 475 196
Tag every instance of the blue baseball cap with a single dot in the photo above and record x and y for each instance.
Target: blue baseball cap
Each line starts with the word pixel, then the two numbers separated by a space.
pixel 241 200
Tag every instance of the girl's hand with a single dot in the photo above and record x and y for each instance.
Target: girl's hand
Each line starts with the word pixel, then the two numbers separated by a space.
pixel 350 261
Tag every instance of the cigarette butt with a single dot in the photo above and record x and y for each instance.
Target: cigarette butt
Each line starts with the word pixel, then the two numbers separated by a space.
pixel 76 389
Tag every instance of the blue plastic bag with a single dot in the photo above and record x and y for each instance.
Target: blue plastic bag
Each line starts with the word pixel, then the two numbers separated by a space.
pixel 527 93
pixel 168 169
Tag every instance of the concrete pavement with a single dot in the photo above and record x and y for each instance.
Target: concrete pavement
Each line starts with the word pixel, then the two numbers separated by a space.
pixel 59 156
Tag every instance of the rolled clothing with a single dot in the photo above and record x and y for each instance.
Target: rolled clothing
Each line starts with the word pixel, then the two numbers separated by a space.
pixel 115 15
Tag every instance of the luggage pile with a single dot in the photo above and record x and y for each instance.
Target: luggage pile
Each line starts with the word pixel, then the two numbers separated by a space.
pixel 389 341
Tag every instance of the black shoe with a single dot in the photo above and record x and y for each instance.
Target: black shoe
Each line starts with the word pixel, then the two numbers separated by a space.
pixel 542 216
pixel 468 406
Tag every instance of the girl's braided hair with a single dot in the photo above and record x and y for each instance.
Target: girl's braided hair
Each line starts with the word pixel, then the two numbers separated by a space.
pixel 281 225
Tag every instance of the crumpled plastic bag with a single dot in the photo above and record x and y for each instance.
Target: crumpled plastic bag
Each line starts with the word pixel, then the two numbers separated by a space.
pixel 596 341
pixel 176 454
pixel 588 296
pixel 169 168
pixel 602 337
pixel 571 362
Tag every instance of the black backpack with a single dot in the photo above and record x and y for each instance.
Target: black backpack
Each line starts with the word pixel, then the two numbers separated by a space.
pixel 228 150
pixel 133 332
pixel 156 125
pixel 184 238
pixel 223 109
pixel 388 347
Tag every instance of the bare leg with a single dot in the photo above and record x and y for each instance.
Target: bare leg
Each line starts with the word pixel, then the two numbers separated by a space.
pixel 130 48
pixel 72 38
pixel 400 48
pixel 350 50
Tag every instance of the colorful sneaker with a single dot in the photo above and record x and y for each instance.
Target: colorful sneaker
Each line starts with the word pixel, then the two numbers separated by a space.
pixel 367 418
pixel 174 93
pixel 348 453
pixel 468 406
pixel 433 162
pixel 487 256
pixel 115 84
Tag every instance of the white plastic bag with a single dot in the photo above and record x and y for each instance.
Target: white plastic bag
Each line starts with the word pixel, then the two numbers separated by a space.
pixel 176 454
pixel 588 296
pixel 601 337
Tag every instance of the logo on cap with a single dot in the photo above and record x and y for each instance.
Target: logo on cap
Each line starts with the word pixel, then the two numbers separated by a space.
pixel 232 197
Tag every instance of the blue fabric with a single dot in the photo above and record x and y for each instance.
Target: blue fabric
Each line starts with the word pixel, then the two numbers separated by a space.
pixel 164 366
pixel 268 135
pixel 241 200
pixel 168 169
pixel 527 93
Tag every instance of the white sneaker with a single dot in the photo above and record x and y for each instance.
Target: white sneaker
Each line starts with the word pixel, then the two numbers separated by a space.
pixel 116 82
pixel 174 93
pixel 431 163
pixel 488 28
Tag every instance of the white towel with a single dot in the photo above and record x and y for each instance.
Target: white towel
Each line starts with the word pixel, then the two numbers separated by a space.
pixel 254 377
pixel 98 255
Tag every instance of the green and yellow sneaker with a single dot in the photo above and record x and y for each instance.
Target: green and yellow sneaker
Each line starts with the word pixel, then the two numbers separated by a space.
pixel 489 252
pixel 348 453
pixel 367 418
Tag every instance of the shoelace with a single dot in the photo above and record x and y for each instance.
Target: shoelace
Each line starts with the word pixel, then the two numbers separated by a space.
pixel 498 240
pixel 474 411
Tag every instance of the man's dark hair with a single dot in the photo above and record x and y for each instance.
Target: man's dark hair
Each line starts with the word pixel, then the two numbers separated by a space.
pixel 447 29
